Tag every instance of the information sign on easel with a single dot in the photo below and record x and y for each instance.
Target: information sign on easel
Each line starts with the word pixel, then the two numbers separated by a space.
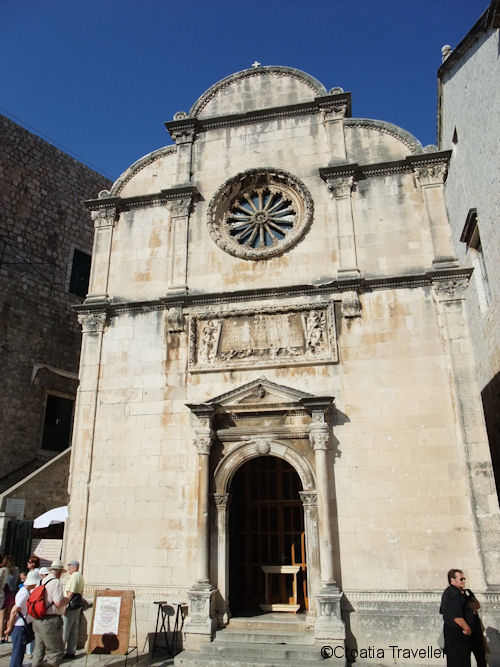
pixel 111 617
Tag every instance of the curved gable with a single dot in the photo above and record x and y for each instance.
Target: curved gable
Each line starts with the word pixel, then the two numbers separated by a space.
pixel 257 88
pixel 149 174
pixel 370 140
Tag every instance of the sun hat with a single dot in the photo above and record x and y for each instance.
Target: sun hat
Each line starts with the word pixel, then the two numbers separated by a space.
pixel 43 571
pixel 57 565
pixel 73 563
pixel 32 579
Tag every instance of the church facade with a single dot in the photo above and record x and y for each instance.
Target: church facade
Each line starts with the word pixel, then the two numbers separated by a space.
pixel 277 409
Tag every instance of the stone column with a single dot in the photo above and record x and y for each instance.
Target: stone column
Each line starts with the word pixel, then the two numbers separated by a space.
pixel 341 188
pixel 82 451
pixel 449 296
pixel 201 620
pixel 329 625
pixel 430 178
pixel 310 504
pixel 333 114
pixel 104 215
pixel 222 501
pixel 178 245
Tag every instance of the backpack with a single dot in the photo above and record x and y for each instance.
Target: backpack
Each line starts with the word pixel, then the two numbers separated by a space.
pixel 37 602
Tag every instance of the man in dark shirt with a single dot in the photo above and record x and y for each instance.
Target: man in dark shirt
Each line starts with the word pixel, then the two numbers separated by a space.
pixel 457 631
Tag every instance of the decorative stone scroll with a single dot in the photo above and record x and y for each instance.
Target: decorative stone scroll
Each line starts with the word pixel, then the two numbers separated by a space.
pixel 287 336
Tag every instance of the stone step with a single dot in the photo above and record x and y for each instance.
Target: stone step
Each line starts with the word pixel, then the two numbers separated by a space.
pixel 196 659
pixel 276 625
pixel 228 636
pixel 253 651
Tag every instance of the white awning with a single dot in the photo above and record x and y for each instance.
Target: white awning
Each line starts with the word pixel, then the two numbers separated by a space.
pixel 56 515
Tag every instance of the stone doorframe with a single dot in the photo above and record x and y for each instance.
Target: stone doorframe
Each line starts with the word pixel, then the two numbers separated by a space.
pixel 223 421
pixel 253 448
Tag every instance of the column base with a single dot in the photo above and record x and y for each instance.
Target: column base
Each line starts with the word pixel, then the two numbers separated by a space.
pixel 329 625
pixel 92 299
pixel 201 621
pixel 445 263
pixel 177 290
pixel 348 274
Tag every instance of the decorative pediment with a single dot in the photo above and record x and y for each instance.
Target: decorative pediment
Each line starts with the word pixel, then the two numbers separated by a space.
pixel 262 394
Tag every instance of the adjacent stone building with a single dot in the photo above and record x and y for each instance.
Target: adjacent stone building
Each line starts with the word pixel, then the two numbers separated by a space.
pixel 45 247
pixel 469 126
pixel 277 406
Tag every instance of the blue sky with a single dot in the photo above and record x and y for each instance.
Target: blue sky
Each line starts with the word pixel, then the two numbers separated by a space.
pixel 99 78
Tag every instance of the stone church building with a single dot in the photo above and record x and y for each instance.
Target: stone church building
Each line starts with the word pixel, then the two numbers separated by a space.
pixel 277 409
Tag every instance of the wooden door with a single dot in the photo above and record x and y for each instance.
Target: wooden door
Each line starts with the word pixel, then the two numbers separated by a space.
pixel 266 528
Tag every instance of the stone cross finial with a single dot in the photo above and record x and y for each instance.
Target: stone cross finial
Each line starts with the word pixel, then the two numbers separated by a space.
pixel 256 64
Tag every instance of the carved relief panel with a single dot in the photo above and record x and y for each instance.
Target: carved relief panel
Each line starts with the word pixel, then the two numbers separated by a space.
pixel 287 336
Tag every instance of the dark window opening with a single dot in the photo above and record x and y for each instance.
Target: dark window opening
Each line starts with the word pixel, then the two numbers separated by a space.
pixel 80 274
pixel 455 136
pixel 58 423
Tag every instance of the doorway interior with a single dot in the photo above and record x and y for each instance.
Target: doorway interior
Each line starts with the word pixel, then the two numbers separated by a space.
pixel 266 528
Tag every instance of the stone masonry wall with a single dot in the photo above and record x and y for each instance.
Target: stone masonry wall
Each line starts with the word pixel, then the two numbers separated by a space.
pixel 42 222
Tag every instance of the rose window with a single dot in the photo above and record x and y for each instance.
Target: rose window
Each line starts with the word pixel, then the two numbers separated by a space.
pixel 261 219
pixel 260 213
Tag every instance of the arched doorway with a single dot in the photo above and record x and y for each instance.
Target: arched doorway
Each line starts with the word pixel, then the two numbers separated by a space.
pixel 266 528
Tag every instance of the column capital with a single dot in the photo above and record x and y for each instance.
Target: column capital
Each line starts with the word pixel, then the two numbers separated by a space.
pixel 203 432
pixel 430 168
pixel 104 210
pixel 92 322
pixel 319 437
pixel 182 130
pixel 222 500
pixel 340 187
pixel 181 207
pixel 309 499
pixel 451 289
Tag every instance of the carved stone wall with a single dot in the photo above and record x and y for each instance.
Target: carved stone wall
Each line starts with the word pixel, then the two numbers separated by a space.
pixel 286 336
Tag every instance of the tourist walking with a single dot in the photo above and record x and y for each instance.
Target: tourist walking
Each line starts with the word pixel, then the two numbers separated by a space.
pixel 19 624
pixel 48 630
pixel 73 591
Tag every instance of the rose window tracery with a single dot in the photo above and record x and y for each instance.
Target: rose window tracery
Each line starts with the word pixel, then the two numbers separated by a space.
pixel 261 218
pixel 260 213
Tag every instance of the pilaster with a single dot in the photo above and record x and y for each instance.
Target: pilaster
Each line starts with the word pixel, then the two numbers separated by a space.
pixel 329 624
pixel 82 451
pixel 430 172
pixel 340 185
pixel 201 596
pixel 183 131
pixel 449 296
pixel 179 210
pixel 333 111
pixel 104 214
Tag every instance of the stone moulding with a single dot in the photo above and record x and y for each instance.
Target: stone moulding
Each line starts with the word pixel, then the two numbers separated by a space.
pixel 266 179
pixel 262 338
pixel 138 166
pixel 334 288
pixel 392 130
pixel 316 86
pixel 143 201
pixel 410 164
pixel 319 104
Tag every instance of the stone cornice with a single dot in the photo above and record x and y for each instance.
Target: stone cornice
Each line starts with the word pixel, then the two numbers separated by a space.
pixel 140 201
pixel 327 289
pixel 360 171
pixel 184 125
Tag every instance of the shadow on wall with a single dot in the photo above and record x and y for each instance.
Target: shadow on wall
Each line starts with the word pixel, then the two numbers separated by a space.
pixel 493 641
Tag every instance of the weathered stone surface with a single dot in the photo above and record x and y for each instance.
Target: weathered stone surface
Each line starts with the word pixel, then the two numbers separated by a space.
pixel 43 221
pixel 204 360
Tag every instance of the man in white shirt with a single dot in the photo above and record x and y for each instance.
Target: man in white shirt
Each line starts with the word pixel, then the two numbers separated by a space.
pixel 48 630
pixel 73 589
pixel 16 625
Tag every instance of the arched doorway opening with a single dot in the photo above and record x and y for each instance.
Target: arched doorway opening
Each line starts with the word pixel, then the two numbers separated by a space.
pixel 266 528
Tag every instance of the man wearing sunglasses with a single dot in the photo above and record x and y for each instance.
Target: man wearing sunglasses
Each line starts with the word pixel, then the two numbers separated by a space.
pixel 462 625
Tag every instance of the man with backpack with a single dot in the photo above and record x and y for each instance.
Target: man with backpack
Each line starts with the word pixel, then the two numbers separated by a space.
pixel 47 605
pixel 19 624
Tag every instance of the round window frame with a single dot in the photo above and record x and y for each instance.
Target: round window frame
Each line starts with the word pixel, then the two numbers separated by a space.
pixel 223 201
